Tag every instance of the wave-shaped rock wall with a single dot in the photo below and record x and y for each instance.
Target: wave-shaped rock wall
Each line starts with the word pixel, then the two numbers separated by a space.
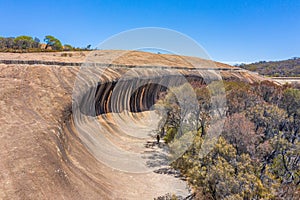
pixel 42 154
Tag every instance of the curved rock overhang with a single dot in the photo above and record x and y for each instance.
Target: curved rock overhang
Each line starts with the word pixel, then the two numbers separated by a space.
pixel 133 95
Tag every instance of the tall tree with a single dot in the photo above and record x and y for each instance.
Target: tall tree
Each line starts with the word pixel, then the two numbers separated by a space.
pixel 24 42
pixel 53 42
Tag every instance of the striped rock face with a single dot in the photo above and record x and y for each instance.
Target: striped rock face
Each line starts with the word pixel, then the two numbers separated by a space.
pixel 80 126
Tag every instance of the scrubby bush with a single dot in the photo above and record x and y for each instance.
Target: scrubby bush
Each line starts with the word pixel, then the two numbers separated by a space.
pixel 258 154
pixel 171 132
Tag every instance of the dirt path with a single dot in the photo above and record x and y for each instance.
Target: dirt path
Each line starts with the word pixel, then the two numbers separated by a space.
pixel 124 142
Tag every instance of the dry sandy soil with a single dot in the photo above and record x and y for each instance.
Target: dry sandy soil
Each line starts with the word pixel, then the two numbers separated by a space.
pixel 42 154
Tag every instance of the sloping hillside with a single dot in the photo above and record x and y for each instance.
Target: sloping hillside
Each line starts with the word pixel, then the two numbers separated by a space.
pixel 284 68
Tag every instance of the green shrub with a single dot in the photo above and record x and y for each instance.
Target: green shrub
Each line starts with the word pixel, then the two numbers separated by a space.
pixel 171 132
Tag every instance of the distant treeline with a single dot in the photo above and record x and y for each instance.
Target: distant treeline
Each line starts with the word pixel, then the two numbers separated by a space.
pixel 25 43
pixel 285 68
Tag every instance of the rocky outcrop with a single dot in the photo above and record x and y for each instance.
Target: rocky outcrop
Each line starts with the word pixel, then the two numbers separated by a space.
pixel 44 152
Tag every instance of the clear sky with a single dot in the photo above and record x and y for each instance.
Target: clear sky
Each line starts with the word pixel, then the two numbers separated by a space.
pixel 229 30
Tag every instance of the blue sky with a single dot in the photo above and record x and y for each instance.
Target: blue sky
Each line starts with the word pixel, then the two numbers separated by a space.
pixel 229 30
